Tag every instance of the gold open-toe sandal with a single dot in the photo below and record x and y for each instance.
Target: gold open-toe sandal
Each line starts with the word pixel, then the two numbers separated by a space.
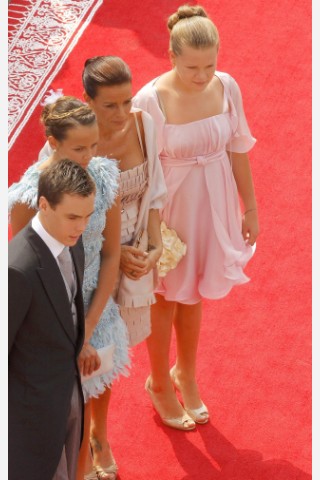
pixel 103 473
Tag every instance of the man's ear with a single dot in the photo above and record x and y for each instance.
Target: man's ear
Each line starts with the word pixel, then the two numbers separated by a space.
pixel 43 204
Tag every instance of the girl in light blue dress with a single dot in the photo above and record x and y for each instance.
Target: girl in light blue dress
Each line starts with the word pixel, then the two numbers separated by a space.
pixel 72 132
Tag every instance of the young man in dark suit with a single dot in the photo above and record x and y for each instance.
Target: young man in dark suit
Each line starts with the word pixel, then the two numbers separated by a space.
pixel 46 329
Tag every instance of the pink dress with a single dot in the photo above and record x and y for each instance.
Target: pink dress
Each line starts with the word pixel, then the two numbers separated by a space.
pixel 203 203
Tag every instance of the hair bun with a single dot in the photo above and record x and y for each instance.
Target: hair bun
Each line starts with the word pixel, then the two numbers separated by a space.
pixel 185 11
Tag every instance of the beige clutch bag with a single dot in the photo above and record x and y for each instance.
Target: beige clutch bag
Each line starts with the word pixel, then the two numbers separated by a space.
pixel 173 250
pixel 106 357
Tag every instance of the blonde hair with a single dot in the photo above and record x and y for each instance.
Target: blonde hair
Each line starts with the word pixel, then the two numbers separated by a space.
pixel 65 113
pixel 191 26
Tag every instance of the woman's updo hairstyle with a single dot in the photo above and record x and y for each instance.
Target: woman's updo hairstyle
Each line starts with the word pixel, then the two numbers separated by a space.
pixel 191 26
pixel 65 113
pixel 104 71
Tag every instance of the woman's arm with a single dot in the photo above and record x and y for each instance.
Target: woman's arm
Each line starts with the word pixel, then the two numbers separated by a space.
pixel 109 268
pixel 20 216
pixel 243 177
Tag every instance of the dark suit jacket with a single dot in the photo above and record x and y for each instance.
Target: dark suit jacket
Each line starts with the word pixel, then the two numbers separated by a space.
pixel 43 351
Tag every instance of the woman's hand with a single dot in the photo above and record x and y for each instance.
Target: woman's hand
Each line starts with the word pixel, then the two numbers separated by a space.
pixel 135 263
pixel 250 226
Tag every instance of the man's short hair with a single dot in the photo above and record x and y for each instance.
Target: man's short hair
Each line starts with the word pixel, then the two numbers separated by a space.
pixel 64 177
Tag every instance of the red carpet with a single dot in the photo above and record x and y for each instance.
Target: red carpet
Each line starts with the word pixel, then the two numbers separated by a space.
pixel 255 353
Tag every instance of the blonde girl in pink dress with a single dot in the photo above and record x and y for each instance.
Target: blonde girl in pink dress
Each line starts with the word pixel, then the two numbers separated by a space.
pixel 203 140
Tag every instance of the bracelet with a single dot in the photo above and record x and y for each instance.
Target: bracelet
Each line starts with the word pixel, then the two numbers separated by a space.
pixel 250 210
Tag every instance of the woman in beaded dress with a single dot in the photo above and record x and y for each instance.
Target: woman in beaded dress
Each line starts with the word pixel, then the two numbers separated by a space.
pixel 128 135
pixel 72 132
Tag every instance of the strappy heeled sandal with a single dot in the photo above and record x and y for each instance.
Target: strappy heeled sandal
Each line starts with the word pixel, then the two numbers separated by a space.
pixel 106 473
pixel 103 473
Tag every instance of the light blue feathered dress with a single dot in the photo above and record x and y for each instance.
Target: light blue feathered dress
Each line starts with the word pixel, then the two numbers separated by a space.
pixel 111 329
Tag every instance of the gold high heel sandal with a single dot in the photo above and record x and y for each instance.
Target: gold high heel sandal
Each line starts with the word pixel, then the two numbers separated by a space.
pixel 199 415
pixel 107 473
pixel 102 473
pixel 181 423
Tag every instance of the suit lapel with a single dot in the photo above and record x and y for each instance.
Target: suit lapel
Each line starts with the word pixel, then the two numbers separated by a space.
pixel 53 283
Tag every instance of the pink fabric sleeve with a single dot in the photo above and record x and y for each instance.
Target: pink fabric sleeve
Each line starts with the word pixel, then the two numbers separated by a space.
pixel 158 189
pixel 242 141
pixel 146 99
